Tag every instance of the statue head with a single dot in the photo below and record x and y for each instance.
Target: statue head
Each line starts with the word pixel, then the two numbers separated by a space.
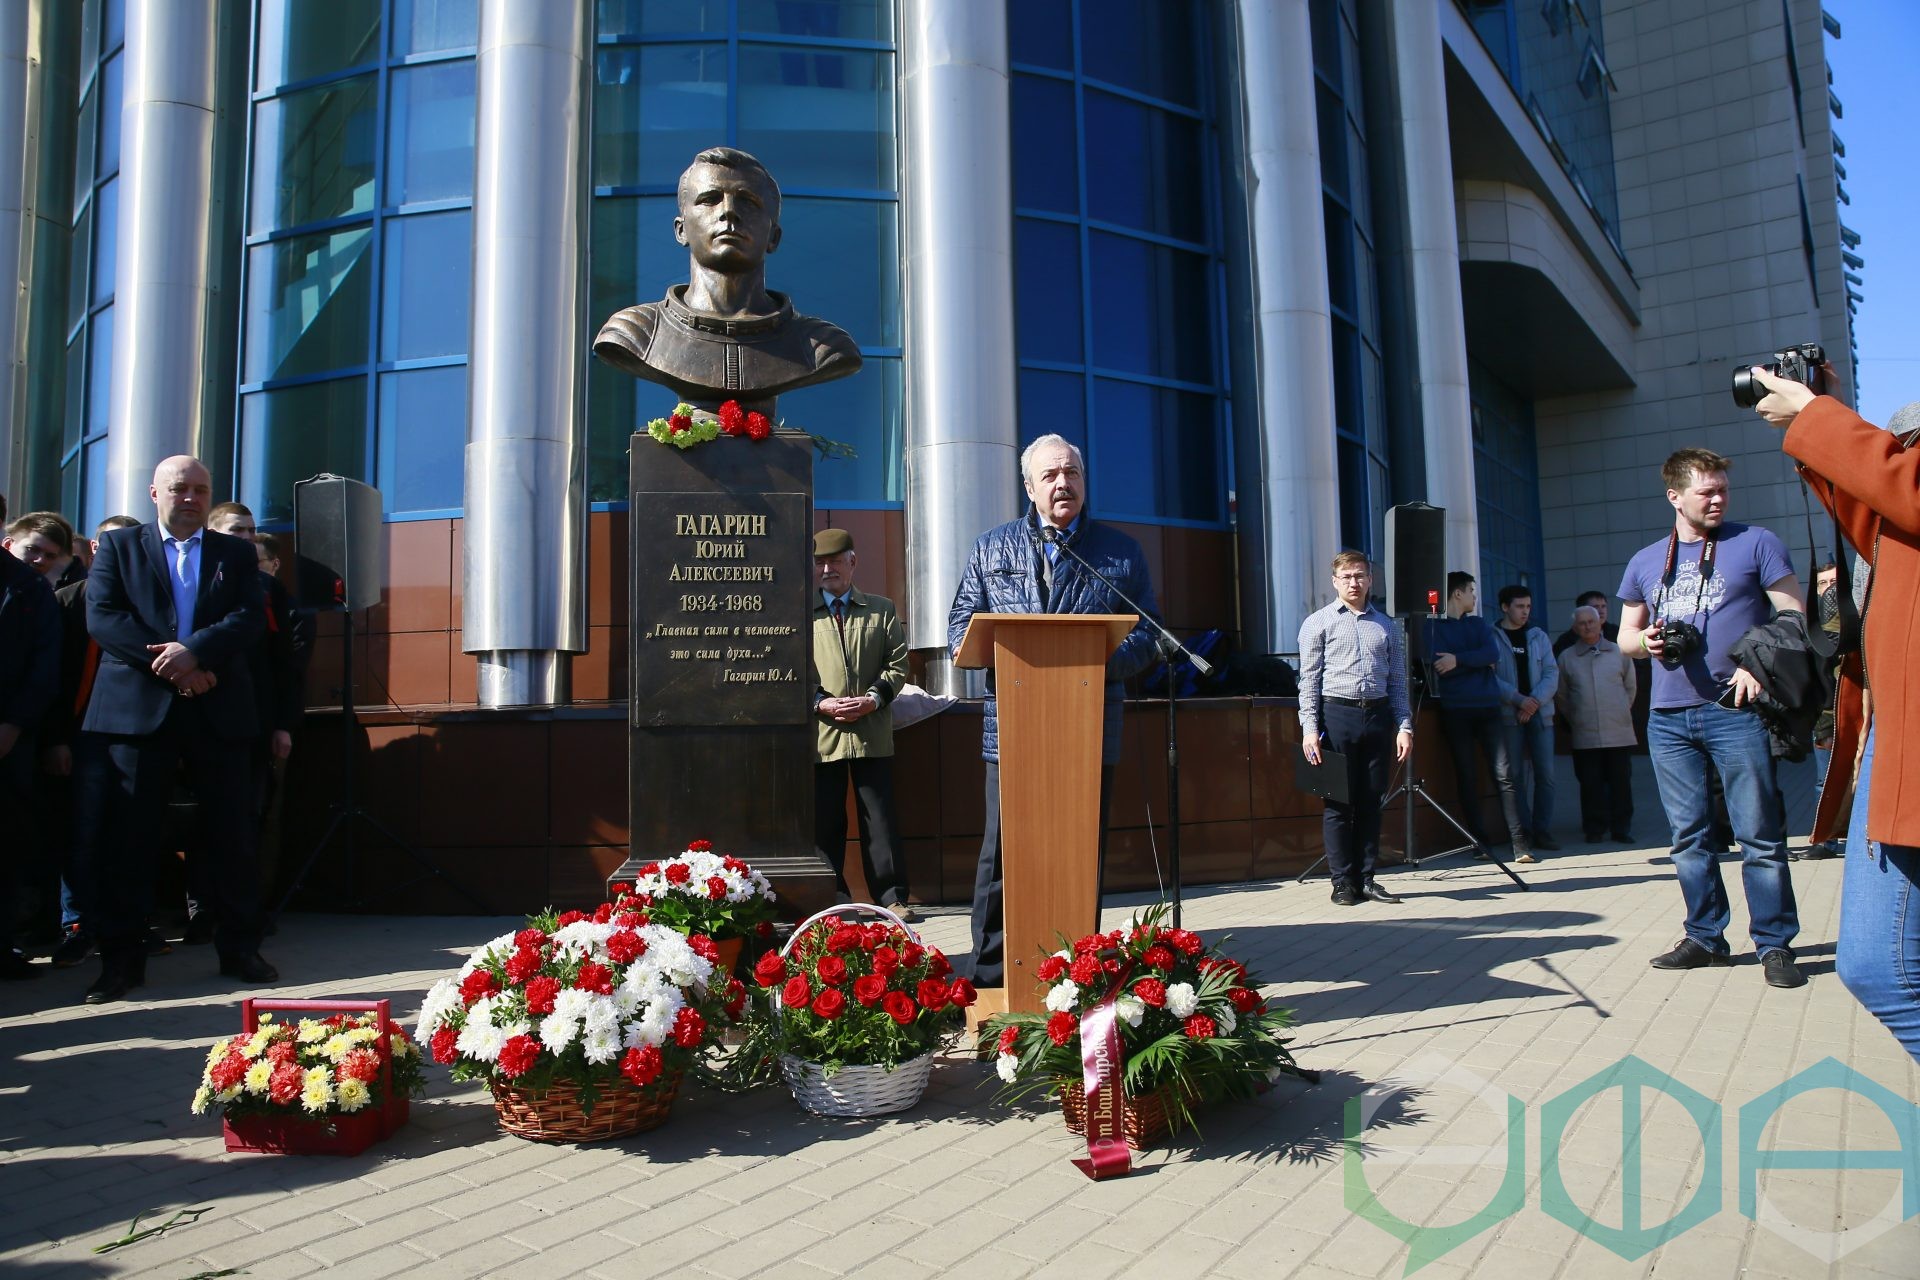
pixel 729 211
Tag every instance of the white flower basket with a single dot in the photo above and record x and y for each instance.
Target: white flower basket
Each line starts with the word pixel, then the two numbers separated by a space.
pixel 857 1091
pixel 854 1090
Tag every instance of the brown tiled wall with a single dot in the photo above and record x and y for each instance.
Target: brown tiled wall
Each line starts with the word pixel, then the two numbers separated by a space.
pixel 531 807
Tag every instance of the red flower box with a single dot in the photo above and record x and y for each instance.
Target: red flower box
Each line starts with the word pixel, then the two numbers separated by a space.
pixel 328 1135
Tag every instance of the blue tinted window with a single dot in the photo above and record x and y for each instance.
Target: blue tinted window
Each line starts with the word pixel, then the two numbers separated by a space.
pixel 423 438
pixel 106 238
pixel 1151 309
pixel 1144 168
pixel 85 134
pixel 829 19
pixel 1146 45
pixel 76 403
pixel 863 411
pixel 428 26
pixel 844 265
pixel 301 39
pixel 1047 299
pixel 430 125
pixel 634 256
pixel 819 117
pixel 662 17
pixel 1045 161
pixel 113 28
pixel 1157 452
pixel 309 304
pixel 655 107
pixel 424 299
pixel 1053 403
pixel 96 470
pixel 99 370
pixel 77 260
pixel 112 100
pixel 1041 32
pixel 313 154
pixel 297 432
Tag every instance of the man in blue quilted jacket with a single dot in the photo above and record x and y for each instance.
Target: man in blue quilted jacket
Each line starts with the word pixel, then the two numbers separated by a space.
pixel 1021 567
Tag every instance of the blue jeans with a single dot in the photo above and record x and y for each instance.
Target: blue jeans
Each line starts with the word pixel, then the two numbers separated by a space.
pixel 1533 761
pixel 1879 950
pixel 1682 742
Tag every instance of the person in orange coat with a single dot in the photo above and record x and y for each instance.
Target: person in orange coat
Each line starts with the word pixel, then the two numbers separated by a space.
pixel 1870 480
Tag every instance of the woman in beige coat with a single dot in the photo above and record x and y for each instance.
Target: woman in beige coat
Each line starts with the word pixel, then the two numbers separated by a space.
pixel 1597 686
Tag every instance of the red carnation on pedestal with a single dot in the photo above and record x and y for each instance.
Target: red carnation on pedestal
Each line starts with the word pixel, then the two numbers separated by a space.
pixel 758 427
pixel 679 422
pixel 733 419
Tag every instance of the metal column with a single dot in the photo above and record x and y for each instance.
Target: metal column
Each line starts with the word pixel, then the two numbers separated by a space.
pixel 962 432
pixel 161 287
pixel 1281 333
pixel 525 558
pixel 1412 104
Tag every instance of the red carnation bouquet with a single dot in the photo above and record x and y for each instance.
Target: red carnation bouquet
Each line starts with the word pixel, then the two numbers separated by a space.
pixel 1192 1023
pixel 846 993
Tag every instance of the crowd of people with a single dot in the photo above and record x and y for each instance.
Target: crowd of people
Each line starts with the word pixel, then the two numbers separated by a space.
pixel 156 660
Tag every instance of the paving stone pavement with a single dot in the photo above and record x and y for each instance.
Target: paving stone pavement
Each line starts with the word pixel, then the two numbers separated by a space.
pixel 1475 998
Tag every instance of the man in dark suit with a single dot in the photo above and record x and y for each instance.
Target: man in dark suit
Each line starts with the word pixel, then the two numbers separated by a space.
pixel 29 678
pixel 174 607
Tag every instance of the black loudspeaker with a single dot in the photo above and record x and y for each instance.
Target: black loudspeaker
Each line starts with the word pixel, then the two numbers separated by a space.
pixel 1416 557
pixel 336 529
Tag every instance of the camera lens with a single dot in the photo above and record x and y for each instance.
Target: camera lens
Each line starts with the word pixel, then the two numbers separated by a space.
pixel 1748 390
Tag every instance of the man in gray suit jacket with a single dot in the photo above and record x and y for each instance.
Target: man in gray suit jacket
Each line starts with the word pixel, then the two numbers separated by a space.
pixel 174 608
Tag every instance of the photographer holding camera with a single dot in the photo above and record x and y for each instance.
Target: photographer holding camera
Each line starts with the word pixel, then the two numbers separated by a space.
pixel 1870 480
pixel 1689 598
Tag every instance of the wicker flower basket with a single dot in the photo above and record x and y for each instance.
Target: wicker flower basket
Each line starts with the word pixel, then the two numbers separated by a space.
pixel 857 1091
pixel 1147 1119
pixel 554 1114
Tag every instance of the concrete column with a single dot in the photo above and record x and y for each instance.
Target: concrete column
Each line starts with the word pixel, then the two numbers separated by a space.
pixel 1281 334
pixel 1424 253
pixel 962 433
pixel 161 285
pixel 525 559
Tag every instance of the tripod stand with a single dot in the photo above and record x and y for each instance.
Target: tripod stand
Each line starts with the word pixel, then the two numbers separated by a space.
pixel 346 810
pixel 1414 787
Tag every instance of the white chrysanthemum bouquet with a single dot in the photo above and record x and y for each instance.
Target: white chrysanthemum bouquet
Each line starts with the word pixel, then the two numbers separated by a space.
pixel 701 891
pixel 584 999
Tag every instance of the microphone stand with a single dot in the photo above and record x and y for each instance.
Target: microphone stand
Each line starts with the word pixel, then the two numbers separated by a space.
pixel 1170 648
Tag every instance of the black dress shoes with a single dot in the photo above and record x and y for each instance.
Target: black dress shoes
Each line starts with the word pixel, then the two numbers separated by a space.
pixel 1345 897
pixel 1374 893
pixel 252 967
pixel 1688 954
pixel 114 982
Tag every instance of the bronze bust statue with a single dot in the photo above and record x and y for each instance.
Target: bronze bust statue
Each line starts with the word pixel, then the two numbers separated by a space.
pixel 724 335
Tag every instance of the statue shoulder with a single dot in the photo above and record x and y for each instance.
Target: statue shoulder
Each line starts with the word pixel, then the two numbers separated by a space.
pixel 624 339
pixel 833 348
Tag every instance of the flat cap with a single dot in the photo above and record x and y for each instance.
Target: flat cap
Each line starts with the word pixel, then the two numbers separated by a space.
pixel 831 542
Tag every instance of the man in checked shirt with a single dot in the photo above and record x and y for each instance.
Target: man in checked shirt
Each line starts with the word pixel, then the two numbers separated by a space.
pixel 1353 700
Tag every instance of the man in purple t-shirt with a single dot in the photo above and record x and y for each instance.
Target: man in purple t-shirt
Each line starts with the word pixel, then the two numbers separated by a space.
pixel 1722 579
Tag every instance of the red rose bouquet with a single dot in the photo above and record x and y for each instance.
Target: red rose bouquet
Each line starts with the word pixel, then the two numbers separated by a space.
pixel 1193 1026
pixel 845 993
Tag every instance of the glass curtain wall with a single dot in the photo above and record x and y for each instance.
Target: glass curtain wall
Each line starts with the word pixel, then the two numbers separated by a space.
pixel 359 246
pixel 1353 291
pixel 1117 274
pixel 96 227
pixel 1506 475
pixel 807 86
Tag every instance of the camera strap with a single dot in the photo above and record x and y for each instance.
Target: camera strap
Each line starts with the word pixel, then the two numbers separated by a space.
pixel 1672 570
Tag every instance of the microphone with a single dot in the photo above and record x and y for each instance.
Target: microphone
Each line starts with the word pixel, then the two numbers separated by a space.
pixel 1168 643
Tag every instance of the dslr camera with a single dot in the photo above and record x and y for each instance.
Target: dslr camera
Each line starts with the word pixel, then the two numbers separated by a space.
pixel 1683 640
pixel 1800 364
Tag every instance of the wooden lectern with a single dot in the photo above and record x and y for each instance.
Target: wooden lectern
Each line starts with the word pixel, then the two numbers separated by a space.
pixel 1050 682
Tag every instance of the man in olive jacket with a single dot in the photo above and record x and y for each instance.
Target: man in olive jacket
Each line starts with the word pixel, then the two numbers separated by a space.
pixel 860 663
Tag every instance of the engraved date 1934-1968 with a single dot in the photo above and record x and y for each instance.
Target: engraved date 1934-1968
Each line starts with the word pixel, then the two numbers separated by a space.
pixel 717 603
